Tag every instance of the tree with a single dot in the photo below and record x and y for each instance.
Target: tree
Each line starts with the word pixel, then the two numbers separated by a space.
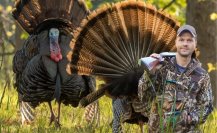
pixel 200 15
pixel 11 39
pixel 175 8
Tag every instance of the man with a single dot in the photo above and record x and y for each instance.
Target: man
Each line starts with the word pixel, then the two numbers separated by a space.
pixel 183 96
pixel 176 95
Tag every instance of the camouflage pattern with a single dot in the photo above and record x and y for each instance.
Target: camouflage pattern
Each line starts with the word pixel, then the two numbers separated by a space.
pixel 179 101
pixel 117 109
pixel 128 110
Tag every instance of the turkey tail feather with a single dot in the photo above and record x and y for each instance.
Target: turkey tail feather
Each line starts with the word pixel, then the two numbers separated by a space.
pixel 32 13
pixel 93 96
pixel 113 38
pixel 26 112
pixel 92 113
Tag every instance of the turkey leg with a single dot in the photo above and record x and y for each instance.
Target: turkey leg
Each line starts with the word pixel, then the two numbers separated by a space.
pixel 52 116
pixel 57 123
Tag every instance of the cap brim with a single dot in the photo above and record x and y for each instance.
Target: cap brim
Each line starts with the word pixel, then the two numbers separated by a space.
pixel 186 30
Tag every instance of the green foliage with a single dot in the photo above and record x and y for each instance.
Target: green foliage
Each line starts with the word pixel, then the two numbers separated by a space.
pixel 176 9
pixel 89 4
pixel 7 34
pixel 98 3
pixel 70 118
pixel 24 35
pixel 213 16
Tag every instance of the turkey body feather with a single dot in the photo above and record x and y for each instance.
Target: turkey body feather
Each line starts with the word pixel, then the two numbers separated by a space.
pixel 120 35
pixel 40 66
pixel 38 72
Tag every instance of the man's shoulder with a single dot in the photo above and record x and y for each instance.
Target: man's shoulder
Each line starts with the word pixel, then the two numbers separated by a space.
pixel 199 69
pixel 196 68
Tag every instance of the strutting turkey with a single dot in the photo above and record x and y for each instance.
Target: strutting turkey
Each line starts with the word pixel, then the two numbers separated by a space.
pixel 120 35
pixel 40 66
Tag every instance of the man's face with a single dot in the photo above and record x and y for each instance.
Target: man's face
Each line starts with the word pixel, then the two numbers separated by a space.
pixel 185 44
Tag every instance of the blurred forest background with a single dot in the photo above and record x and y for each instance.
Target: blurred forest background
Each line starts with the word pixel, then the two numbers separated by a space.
pixel 202 14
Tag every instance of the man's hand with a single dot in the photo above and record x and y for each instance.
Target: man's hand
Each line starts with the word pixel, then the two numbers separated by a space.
pixel 157 56
pixel 185 118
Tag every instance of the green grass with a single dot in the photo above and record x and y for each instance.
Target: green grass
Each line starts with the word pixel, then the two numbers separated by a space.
pixel 71 119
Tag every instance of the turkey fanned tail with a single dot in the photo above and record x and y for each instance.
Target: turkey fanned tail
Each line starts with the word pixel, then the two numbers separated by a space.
pixel 36 15
pixel 120 34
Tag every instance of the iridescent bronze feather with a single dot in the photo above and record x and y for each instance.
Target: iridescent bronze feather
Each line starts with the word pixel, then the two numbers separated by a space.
pixel 40 66
pixel 120 35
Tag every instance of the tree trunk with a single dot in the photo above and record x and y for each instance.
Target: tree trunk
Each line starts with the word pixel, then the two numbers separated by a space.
pixel 198 15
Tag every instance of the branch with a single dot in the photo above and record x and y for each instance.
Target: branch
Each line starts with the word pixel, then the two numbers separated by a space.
pixel 6 37
pixel 7 54
pixel 1 62
pixel 3 33
pixel 11 42
pixel 1 44
pixel 3 94
pixel 168 5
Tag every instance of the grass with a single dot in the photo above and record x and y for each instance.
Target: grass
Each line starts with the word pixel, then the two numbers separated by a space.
pixel 71 118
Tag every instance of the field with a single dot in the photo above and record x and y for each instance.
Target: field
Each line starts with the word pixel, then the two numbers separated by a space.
pixel 71 118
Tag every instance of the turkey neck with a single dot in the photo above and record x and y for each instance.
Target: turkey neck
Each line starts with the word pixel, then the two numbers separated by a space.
pixel 55 51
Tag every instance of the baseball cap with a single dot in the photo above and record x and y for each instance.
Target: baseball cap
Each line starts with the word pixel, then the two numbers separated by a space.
pixel 188 28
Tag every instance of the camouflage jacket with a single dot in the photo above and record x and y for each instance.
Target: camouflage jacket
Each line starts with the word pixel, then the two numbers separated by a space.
pixel 180 101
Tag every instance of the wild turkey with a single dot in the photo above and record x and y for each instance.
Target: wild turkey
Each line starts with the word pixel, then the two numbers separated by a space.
pixel 120 35
pixel 40 66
